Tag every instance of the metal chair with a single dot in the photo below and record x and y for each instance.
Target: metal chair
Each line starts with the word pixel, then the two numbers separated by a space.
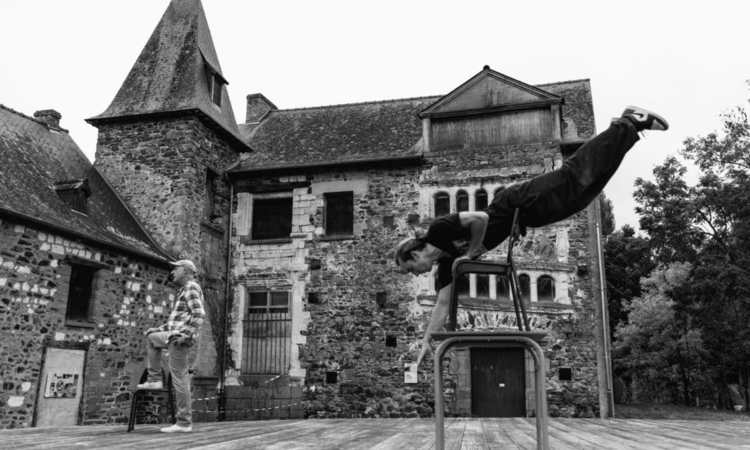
pixel 139 395
pixel 524 337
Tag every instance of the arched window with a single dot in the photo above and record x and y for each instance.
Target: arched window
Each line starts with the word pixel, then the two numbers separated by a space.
pixel 483 286
pixel 503 288
pixel 442 204
pixel 464 285
pixel 462 201
pixel 525 286
pixel 480 200
pixel 545 288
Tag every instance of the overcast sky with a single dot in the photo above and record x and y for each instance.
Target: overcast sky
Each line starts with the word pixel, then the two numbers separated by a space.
pixel 688 60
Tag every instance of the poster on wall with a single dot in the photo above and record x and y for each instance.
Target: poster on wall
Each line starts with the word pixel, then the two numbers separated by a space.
pixel 61 385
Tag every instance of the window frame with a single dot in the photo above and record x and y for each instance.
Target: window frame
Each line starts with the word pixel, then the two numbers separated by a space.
pixel 442 195
pixel 93 268
pixel 217 89
pixel 269 306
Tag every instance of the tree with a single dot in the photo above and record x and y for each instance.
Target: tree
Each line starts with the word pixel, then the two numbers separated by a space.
pixel 608 215
pixel 627 259
pixel 657 350
pixel 708 226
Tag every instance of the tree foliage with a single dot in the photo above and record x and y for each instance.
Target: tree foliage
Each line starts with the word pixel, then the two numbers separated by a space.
pixel 707 225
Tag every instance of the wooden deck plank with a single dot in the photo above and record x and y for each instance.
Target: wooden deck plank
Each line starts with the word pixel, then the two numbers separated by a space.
pixel 393 434
pixel 497 438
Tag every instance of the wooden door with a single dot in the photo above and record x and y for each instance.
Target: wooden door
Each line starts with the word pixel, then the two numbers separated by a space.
pixel 498 382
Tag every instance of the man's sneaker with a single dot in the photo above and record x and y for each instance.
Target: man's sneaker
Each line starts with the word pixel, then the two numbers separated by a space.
pixel 151 385
pixel 644 119
pixel 177 429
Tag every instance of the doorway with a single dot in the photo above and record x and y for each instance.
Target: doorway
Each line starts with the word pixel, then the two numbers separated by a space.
pixel 60 388
pixel 498 382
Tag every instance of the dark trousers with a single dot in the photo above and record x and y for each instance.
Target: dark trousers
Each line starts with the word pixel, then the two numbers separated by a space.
pixel 557 195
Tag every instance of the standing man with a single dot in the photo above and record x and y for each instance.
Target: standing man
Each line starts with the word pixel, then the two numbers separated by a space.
pixel 542 200
pixel 177 335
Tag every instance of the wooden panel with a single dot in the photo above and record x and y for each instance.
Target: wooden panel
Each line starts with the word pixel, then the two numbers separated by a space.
pixel 511 128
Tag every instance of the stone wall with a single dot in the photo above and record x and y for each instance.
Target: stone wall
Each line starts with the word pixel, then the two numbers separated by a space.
pixel 164 169
pixel 129 297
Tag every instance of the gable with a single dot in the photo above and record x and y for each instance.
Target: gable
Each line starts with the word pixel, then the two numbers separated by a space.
pixel 490 91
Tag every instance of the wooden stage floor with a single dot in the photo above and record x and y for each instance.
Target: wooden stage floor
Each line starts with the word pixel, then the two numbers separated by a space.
pixel 387 434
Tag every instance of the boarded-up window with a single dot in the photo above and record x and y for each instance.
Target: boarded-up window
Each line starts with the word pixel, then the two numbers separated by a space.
pixel 545 288
pixel 339 213
pixel 209 201
pixel 442 204
pixel 79 293
pixel 272 218
pixel 480 200
pixel 462 201
pixel 267 333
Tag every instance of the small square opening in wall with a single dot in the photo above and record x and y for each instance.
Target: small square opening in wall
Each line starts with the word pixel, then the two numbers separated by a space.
pixel 314 264
pixel 565 374
pixel 413 219
pixel 381 298
pixel 332 377
pixel 312 297
pixel 388 221
pixel 390 341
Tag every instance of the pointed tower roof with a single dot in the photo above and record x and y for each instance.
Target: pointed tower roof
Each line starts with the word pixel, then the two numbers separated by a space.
pixel 177 73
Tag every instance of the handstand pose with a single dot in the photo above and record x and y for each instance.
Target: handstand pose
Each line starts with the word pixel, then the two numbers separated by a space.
pixel 542 200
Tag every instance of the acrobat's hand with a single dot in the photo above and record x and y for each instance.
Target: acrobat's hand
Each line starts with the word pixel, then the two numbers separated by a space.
pixel 457 260
pixel 426 348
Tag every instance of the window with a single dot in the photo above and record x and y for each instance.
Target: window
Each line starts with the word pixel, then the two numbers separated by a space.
pixel 442 204
pixel 525 287
pixel 339 208
pixel 267 333
pixel 503 288
pixel 268 302
pixel 464 285
pixel 272 217
pixel 483 286
pixel 545 288
pixel 462 201
pixel 79 294
pixel 216 89
pixel 480 200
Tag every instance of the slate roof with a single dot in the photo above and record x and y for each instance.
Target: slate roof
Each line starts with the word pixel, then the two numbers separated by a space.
pixel 375 130
pixel 35 157
pixel 173 72
pixel 331 134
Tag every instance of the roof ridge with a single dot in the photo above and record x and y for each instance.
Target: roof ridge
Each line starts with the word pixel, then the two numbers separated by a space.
pixel 566 81
pixel 358 103
pixel 33 119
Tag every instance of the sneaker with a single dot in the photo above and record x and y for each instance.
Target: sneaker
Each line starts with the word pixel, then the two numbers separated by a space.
pixel 644 119
pixel 151 385
pixel 177 429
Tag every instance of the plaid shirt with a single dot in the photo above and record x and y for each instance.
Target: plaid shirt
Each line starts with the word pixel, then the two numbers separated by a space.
pixel 188 313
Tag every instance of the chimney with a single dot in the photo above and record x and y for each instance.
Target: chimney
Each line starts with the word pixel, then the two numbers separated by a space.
pixel 50 117
pixel 257 107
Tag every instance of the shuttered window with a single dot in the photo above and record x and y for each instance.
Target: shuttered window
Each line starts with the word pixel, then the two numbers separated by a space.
pixel 272 218
pixel 339 208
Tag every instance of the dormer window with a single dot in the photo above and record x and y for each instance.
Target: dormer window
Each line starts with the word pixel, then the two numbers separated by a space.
pixel 216 89
pixel 75 193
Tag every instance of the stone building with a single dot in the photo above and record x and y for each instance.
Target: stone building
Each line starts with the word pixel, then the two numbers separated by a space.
pixel 80 281
pixel 292 218
pixel 327 194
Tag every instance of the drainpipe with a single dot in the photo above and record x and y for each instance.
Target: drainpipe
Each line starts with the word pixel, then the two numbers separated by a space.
pixel 225 338
pixel 605 310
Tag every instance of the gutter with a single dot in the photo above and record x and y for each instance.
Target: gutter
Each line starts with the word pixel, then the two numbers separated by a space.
pixel 225 338
pixel 605 312
pixel 328 165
